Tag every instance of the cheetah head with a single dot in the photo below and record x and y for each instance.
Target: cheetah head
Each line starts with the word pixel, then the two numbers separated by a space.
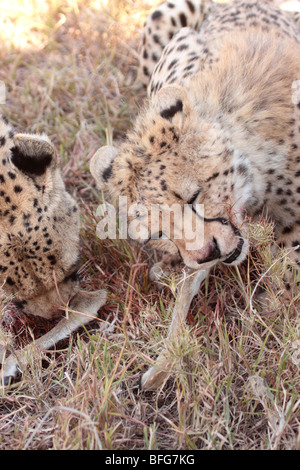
pixel 174 156
pixel 39 220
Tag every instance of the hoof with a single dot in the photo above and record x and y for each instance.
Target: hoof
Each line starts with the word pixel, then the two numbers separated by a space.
pixel 10 372
pixel 156 375
pixel 7 380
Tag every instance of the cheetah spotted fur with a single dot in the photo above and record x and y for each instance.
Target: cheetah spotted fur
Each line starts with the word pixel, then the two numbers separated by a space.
pixel 39 242
pixel 219 128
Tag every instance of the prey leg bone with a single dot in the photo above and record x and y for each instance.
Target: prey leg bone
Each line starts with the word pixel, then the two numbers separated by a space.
pixel 83 309
pixel 187 289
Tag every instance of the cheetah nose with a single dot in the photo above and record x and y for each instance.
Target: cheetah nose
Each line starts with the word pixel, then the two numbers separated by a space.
pixel 210 252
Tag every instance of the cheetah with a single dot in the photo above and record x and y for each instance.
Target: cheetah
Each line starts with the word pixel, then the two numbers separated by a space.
pixel 218 130
pixel 39 243
pixel 171 17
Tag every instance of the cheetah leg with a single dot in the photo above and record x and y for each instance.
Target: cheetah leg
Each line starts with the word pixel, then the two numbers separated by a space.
pixel 86 306
pixel 188 288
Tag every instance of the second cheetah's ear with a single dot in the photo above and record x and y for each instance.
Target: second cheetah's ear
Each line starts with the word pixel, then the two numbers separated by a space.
pixel 101 164
pixel 172 103
pixel 33 154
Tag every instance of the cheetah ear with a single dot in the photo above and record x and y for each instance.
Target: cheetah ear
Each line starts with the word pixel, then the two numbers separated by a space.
pixel 101 164
pixel 172 103
pixel 33 154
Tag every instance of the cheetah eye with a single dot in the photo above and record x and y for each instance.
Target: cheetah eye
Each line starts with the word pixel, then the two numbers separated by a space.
pixel 194 197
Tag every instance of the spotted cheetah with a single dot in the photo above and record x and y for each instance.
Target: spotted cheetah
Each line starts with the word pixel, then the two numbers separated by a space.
pixel 171 17
pixel 219 128
pixel 39 242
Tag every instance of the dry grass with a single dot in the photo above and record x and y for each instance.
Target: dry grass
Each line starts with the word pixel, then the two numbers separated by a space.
pixel 69 67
